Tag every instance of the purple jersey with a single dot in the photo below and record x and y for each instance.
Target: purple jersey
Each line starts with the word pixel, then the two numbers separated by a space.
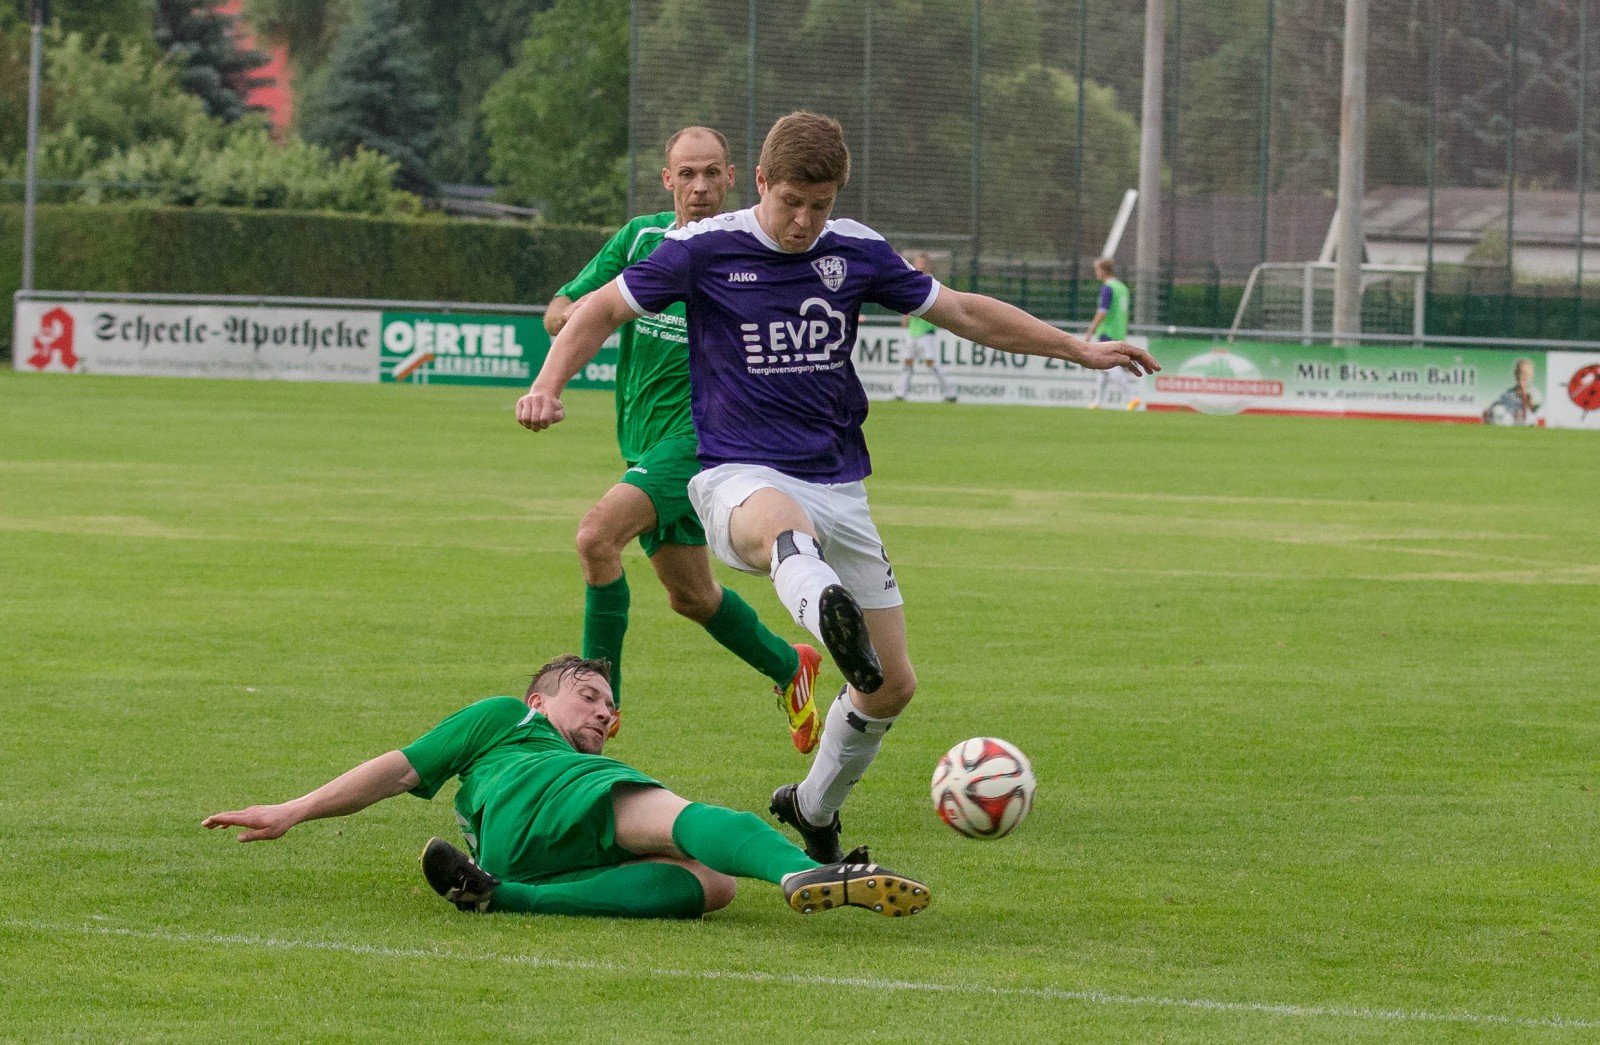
pixel 770 337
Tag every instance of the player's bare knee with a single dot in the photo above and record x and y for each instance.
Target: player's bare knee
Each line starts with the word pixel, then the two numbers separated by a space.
pixel 697 603
pixel 719 888
pixel 597 547
pixel 892 697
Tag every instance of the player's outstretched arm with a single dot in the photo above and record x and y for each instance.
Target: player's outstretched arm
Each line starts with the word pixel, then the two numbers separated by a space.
pixel 580 339
pixel 372 781
pixel 996 324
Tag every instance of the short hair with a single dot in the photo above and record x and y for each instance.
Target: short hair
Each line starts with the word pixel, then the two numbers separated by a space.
pixel 1107 264
pixel 805 148
pixel 722 142
pixel 565 666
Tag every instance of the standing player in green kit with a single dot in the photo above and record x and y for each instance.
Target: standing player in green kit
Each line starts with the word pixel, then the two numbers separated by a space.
pixel 657 439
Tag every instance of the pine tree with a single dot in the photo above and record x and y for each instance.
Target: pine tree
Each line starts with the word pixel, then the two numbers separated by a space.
pixel 370 95
pixel 215 68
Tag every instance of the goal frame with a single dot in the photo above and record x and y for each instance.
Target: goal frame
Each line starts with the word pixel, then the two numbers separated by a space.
pixel 1308 270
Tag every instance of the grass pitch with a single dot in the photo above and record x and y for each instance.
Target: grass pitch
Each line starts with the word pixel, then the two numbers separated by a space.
pixel 1312 706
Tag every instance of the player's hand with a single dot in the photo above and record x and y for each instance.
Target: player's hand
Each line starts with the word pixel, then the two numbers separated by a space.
pixel 264 822
pixel 1103 355
pixel 537 411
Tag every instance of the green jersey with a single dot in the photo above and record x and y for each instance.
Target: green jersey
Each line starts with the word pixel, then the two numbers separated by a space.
pixel 1114 302
pixel 653 357
pixel 530 805
pixel 916 326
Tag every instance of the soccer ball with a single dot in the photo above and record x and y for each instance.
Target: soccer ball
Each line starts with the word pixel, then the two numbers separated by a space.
pixel 983 787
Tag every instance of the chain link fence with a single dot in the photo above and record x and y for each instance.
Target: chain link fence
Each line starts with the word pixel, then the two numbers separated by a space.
pixel 1001 137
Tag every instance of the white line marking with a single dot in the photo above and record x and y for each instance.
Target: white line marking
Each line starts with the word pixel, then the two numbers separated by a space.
pixel 1091 997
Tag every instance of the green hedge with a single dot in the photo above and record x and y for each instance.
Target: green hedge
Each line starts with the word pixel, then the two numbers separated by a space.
pixel 213 251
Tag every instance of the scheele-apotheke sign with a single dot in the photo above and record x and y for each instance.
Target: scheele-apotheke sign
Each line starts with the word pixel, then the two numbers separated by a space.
pixel 281 344
pixel 272 342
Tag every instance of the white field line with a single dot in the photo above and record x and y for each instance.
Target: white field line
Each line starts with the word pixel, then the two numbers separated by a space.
pixel 1090 997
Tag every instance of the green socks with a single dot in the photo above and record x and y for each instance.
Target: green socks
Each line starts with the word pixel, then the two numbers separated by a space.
pixel 605 622
pixel 737 627
pixel 740 844
pixel 642 890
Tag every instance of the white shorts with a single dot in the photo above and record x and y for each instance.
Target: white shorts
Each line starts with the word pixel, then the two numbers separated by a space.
pixel 845 532
pixel 923 346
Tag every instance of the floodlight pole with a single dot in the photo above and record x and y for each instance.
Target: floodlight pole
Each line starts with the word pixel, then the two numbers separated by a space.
pixel 30 199
pixel 1352 168
pixel 1147 254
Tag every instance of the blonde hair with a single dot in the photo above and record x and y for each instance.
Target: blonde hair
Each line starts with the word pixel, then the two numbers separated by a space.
pixel 805 148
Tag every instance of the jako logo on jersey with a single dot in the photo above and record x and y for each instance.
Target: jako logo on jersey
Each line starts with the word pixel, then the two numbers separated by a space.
pixel 741 277
pixel 54 338
pixel 831 269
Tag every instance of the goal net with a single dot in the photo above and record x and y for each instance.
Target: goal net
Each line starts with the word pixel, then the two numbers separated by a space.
pixel 1296 298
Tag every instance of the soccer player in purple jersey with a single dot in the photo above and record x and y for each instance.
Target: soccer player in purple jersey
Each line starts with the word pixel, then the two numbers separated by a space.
pixel 773 296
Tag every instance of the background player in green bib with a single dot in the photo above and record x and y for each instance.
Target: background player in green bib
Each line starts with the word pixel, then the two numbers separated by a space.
pixel 922 342
pixel 1110 323
pixel 558 828
pixel 657 440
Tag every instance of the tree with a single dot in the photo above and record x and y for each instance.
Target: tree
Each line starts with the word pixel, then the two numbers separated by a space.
pixel 307 28
pixel 117 123
pixel 103 97
pixel 470 45
pixel 1029 196
pixel 369 95
pixel 250 170
pixel 13 86
pixel 558 119
pixel 215 68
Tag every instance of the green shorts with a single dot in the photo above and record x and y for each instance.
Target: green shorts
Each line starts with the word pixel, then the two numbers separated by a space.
pixel 555 819
pixel 663 473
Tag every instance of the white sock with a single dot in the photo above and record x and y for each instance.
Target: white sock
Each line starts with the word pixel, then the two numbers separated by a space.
pixel 850 741
pixel 1102 380
pixel 905 382
pixel 799 575
pixel 944 389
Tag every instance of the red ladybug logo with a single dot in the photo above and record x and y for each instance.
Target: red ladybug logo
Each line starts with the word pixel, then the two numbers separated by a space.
pixel 1584 388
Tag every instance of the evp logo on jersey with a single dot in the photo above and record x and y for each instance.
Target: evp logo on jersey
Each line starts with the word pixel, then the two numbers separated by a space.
pixel 832 271
pixel 811 342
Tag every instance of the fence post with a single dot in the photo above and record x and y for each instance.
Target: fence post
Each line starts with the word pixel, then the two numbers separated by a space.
pixel 1148 251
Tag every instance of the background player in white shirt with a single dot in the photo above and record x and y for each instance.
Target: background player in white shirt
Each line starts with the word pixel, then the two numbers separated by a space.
pixel 922 344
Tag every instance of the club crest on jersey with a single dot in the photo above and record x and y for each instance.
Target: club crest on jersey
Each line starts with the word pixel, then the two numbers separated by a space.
pixel 831 269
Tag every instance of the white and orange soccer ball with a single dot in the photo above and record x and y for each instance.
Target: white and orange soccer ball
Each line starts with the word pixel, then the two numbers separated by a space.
pixel 983 787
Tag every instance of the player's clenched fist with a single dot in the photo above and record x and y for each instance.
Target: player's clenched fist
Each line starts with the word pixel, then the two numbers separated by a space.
pixel 537 411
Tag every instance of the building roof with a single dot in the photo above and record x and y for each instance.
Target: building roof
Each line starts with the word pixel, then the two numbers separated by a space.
pixel 1541 218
